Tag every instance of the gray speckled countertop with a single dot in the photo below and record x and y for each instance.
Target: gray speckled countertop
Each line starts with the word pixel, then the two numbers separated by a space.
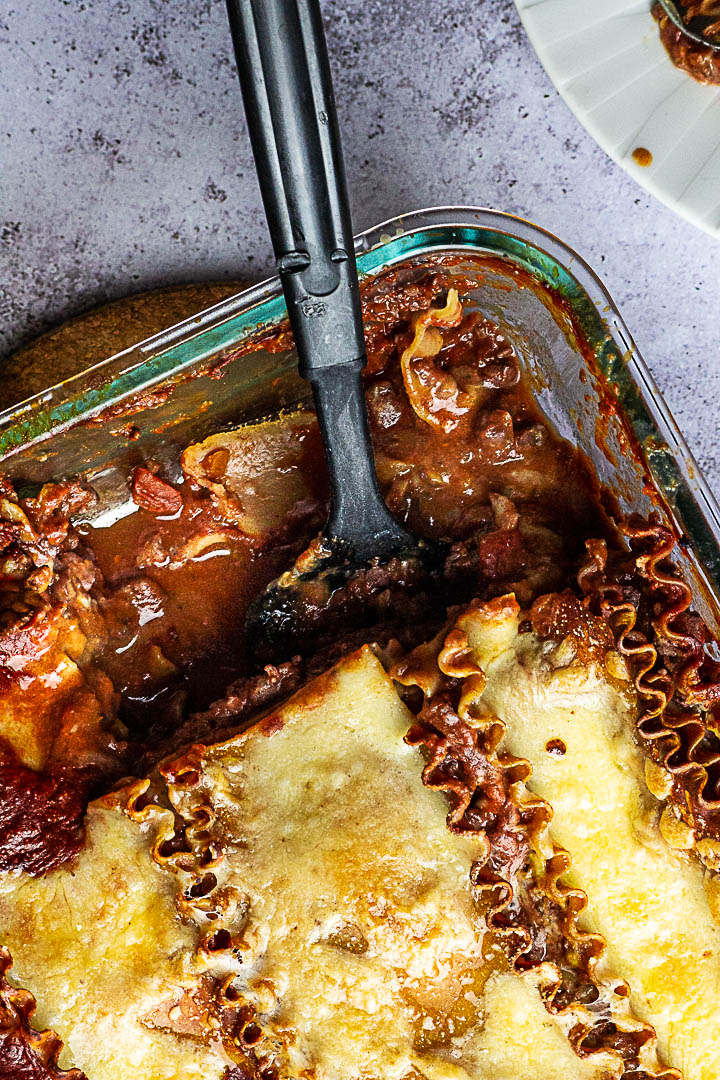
pixel 125 164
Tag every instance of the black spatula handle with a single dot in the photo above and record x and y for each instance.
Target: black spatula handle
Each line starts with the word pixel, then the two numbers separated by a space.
pixel 284 73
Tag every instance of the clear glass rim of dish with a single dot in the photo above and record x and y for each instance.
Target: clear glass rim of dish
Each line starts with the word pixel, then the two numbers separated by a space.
pixel 136 368
pixel 436 229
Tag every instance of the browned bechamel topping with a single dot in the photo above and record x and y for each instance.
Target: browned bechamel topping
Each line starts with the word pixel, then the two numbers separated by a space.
pixel 534 916
pixel 647 605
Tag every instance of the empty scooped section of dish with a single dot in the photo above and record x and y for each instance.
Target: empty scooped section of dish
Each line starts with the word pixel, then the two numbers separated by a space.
pixel 234 364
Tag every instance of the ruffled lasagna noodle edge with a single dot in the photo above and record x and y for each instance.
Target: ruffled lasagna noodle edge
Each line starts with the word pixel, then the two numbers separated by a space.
pixel 517 874
pixel 26 1053
pixel 676 678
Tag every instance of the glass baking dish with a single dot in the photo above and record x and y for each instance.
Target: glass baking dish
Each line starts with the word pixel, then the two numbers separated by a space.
pixel 223 367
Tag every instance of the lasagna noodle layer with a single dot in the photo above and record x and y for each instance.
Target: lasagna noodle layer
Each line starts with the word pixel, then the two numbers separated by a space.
pixel 519 1040
pixel 362 938
pixel 359 946
pixel 574 724
pixel 100 946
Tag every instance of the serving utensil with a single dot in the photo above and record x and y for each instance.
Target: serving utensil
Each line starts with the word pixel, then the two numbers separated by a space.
pixel 284 74
pixel 699 16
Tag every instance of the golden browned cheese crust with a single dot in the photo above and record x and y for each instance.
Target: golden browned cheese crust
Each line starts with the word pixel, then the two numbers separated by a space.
pixel 281 920
pixel 651 902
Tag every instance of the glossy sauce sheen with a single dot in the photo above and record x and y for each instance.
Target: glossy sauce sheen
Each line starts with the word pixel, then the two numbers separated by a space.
pixel 440 483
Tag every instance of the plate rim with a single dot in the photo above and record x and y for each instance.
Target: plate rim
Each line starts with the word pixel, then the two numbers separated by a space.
pixel 657 191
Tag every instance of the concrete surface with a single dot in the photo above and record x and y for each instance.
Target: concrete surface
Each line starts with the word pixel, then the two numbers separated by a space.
pixel 125 164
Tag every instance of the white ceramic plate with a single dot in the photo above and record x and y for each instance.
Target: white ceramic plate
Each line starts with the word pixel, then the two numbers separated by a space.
pixel 607 60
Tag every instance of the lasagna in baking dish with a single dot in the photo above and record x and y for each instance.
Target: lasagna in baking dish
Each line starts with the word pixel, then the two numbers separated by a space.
pixel 470 830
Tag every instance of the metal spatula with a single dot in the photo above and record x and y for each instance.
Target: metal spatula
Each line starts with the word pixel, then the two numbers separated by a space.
pixel 285 78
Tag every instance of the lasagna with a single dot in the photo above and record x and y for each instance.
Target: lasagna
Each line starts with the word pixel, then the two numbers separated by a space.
pixel 469 830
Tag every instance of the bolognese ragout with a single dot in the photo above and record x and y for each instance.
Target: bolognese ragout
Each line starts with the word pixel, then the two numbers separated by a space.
pixel 468 830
